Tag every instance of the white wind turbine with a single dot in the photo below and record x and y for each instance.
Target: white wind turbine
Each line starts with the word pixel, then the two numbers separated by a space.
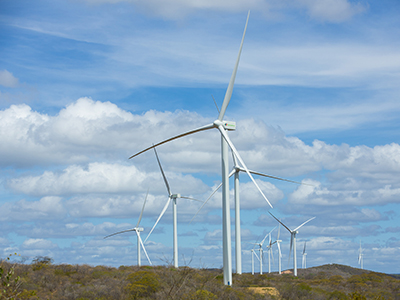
pixel 304 258
pixel 172 197
pixel 260 250
pixel 278 243
pixel 293 241
pixel 223 127
pixel 270 253
pixel 235 171
pixel 360 257
pixel 252 259
pixel 137 229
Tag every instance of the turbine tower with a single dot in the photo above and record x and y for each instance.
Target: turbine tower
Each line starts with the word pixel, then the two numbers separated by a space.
pixel 172 197
pixel 360 257
pixel 252 261
pixel 223 126
pixel 293 234
pixel 304 258
pixel 278 243
pixel 137 229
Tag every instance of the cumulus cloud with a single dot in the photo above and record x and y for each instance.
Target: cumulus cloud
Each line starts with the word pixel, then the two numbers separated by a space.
pixel 102 178
pixel 350 195
pixel 83 130
pixel 7 79
pixel 47 208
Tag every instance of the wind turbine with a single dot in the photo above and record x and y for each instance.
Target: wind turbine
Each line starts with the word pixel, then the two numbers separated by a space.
pixel 304 258
pixel 235 171
pixel 137 229
pixel 260 249
pixel 172 197
pixel 270 253
pixel 223 126
pixel 360 257
pixel 252 259
pixel 293 241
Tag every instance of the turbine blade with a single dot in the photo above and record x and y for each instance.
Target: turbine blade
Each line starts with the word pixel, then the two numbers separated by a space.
pixel 270 176
pixel 268 234
pixel 291 246
pixel 304 250
pixel 227 139
pixel 235 163
pixel 262 241
pixel 159 217
pixel 212 194
pixel 215 102
pixel 144 249
pixel 256 255
pixel 141 213
pixel 128 230
pixel 189 198
pixel 279 231
pixel 280 222
pixel 206 127
pixel 229 90
pixel 162 172
pixel 304 223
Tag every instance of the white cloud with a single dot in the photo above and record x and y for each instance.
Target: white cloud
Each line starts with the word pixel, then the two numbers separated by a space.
pixel 332 10
pixel 349 195
pixel 89 130
pixel 47 208
pixel 323 10
pixel 102 178
pixel 7 79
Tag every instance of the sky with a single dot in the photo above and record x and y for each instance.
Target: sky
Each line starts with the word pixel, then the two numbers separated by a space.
pixel 85 84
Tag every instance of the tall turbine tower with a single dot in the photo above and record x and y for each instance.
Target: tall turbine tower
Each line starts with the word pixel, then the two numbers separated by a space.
pixel 172 197
pixel 360 257
pixel 304 258
pixel 293 234
pixel 223 127
pixel 137 229
pixel 278 243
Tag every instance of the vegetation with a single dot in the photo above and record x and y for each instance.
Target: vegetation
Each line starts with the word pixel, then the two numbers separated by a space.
pixel 43 280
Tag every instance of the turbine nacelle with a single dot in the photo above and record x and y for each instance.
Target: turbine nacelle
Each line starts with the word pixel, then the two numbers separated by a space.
pixel 227 125
pixel 175 196
pixel 138 229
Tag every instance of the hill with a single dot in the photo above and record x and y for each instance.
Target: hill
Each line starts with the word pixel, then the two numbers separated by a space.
pixel 43 280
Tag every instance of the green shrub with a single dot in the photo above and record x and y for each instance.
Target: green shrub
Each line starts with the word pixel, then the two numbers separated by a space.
pixel 338 295
pixel 142 284
pixel 40 262
pixel 201 295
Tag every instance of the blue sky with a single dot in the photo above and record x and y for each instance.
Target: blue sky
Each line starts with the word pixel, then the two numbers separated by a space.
pixel 86 84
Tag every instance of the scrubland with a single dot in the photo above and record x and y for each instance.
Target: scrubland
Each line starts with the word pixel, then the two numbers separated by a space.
pixel 43 280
